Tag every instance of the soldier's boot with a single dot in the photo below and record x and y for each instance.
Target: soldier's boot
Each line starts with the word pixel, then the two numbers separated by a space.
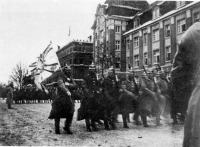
pixel 128 119
pixel 124 116
pixel 87 122
pixel 114 127
pixel 144 120
pixel 136 119
pixel 158 117
pixel 94 127
pixel 99 122
pixel 174 117
pixel 9 106
pixel 57 125
pixel 68 122
pixel 106 124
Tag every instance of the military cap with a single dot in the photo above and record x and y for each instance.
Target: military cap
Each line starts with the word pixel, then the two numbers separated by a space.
pixel 144 75
pixel 67 67
pixel 92 67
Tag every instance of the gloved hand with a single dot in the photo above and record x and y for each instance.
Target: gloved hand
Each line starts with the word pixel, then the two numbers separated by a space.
pixel 66 84
pixel 69 93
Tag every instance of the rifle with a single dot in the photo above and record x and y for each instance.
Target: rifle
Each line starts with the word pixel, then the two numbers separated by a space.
pixel 159 67
pixel 144 69
pixel 136 86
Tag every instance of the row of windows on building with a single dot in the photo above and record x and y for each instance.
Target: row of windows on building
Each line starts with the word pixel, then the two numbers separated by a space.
pixel 76 49
pixel 101 35
pixel 156 57
pixel 181 27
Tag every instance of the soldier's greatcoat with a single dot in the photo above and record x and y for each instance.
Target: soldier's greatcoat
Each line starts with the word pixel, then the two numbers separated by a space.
pixel 90 104
pixel 148 97
pixel 62 105
pixel 127 100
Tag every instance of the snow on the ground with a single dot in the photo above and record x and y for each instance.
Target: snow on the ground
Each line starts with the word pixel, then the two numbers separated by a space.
pixel 28 124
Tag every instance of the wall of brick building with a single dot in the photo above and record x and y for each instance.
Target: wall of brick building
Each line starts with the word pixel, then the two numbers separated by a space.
pixel 131 50
pixel 140 50
pixel 149 31
pixel 163 42
pixel 162 45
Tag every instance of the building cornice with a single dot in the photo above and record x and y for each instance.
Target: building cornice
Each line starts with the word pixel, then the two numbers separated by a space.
pixel 71 42
pixel 119 17
pixel 122 6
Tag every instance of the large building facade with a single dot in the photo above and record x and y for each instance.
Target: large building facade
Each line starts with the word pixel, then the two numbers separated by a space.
pixel 128 35
pixel 155 41
pixel 78 55
pixel 111 22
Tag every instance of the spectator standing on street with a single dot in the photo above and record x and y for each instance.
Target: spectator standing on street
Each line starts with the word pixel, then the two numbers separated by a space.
pixel 9 99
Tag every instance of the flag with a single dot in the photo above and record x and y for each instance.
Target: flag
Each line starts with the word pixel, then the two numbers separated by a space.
pixel 69 31
pixel 90 38
pixel 58 47
pixel 53 64
pixel 33 64
pixel 46 51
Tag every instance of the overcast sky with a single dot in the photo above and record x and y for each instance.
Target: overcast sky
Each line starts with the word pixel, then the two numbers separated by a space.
pixel 27 26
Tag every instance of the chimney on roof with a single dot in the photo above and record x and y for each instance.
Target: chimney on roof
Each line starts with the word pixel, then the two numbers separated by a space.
pixel 58 47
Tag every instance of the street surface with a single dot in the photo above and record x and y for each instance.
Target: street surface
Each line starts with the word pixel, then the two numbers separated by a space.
pixel 27 124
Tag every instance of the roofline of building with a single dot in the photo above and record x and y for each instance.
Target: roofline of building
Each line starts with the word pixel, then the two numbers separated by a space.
pixel 74 41
pixel 122 6
pixel 150 9
pixel 119 17
pixel 162 17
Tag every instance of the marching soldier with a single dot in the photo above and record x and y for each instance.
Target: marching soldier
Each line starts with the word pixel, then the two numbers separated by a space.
pixel 128 102
pixel 111 95
pixel 63 105
pixel 90 108
pixel 162 91
pixel 148 98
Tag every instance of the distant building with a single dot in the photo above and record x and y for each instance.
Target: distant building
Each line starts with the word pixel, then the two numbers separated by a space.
pixel 78 55
pixel 111 22
pixel 156 32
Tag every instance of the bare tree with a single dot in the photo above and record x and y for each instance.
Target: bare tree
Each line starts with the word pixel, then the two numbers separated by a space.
pixel 18 73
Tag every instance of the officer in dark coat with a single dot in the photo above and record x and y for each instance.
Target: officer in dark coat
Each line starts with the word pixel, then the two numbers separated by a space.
pixel 91 107
pixel 63 105
pixel 186 76
pixel 111 94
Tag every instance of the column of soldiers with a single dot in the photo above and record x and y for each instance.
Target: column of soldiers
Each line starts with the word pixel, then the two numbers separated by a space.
pixel 28 95
pixel 150 96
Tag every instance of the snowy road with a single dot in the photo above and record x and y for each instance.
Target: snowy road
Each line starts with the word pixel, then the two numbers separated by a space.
pixel 27 124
